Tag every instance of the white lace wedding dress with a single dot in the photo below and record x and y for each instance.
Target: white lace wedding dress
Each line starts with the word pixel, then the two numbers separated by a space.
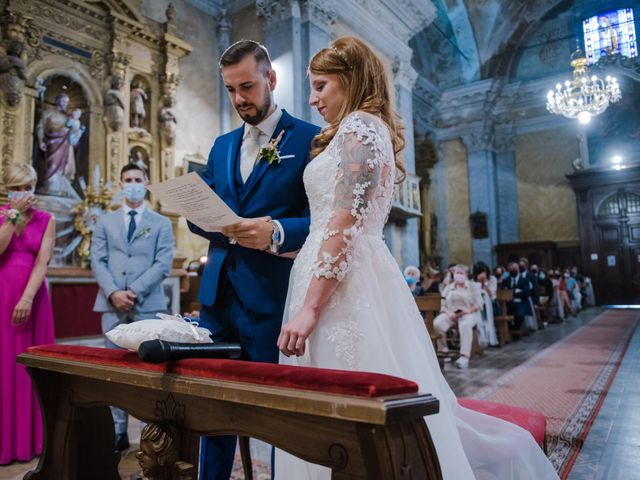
pixel 371 322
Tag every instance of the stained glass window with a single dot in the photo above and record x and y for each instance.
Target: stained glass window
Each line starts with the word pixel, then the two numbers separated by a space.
pixel 610 33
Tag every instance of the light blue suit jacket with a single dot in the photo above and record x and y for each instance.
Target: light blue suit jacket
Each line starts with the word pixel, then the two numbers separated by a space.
pixel 139 265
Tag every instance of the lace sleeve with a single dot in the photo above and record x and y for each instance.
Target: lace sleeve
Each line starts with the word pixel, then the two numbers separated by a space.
pixel 360 165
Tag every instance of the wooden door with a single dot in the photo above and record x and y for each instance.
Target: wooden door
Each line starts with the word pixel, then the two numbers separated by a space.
pixel 617 241
pixel 609 217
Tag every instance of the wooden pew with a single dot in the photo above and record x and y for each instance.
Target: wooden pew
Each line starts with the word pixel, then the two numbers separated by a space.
pixel 375 431
pixel 429 306
pixel 502 321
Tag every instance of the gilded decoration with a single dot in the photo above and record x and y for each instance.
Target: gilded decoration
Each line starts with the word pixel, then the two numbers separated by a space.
pixel 86 86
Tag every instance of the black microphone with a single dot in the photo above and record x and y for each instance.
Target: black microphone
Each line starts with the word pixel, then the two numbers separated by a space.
pixel 156 351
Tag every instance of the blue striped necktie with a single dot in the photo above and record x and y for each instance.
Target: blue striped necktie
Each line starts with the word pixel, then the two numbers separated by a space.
pixel 132 224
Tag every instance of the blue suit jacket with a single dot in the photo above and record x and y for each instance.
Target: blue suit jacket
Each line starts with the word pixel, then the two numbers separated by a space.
pixel 259 279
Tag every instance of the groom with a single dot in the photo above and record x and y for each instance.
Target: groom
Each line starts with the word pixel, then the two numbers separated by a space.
pixel 245 280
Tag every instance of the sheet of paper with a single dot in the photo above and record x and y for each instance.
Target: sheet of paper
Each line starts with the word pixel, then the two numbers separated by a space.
pixel 192 198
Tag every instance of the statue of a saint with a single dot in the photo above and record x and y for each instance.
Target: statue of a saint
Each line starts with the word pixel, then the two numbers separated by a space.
pixel 168 121
pixel 114 104
pixel 138 112
pixel 57 135
pixel 159 453
pixel 13 73
pixel 138 159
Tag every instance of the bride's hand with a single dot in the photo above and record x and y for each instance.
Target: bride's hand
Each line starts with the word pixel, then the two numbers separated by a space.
pixel 294 333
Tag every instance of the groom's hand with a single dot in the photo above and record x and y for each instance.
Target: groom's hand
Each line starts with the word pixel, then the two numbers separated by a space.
pixel 251 233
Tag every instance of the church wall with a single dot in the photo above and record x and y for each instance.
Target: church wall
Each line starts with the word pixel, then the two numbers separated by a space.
pixel 546 202
pixel 246 24
pixel 456 199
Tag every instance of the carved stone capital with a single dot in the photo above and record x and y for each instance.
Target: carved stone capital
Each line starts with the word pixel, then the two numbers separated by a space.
pixel 505 143
pixel 273 11
pixel 478 141
pixel 403 73
pixel 320 13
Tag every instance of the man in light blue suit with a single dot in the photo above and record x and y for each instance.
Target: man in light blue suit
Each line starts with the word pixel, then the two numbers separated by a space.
pixel 131 254
pixel 244 283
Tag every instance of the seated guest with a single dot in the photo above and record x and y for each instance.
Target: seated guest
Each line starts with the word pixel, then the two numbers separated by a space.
pixel 412 276
pixel 27 236
pixel 564 294
pixel 520 307
pixel 462 305
pixel 430 280
pixel 544 284
pixel 488 286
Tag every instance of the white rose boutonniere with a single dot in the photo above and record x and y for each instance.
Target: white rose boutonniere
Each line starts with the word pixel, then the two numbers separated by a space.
pixel 145 232
pixel 270 150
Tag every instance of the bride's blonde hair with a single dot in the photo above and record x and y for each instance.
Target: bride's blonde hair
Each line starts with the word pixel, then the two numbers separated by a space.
pixel 366 85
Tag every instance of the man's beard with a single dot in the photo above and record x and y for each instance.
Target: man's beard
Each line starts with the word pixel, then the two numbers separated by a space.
pixel 261 112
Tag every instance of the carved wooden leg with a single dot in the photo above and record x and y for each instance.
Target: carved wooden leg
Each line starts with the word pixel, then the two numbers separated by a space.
pixel 399 451
pixel 245 454
pixel 79 442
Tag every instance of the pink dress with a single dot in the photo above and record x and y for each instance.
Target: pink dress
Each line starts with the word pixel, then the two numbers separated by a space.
pixel 20 418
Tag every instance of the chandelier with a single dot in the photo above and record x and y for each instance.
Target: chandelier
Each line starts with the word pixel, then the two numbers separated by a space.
pixel 584 96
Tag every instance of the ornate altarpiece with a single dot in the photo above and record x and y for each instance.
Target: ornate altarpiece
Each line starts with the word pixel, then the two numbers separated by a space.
pixel 118 67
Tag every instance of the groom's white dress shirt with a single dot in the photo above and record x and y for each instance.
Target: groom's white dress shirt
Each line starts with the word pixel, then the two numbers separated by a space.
pixel 253 138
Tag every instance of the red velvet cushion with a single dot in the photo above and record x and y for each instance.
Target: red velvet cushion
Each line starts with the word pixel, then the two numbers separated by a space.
pixel 360 384
pixel 532 421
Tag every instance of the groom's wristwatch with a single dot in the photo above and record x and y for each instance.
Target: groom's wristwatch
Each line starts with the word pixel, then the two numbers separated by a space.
pixel 276 236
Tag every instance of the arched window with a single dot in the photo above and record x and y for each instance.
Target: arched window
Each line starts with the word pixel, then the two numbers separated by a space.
pixel 633 202
pixel 609 207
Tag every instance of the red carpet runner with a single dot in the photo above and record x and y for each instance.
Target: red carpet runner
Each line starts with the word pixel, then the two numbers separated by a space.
pixel 568 382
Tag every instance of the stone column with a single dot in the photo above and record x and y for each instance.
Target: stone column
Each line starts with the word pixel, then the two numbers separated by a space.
pixel 404 78
pixel 507 188
pixel 482 191
pixel 295 30
pixel 224 29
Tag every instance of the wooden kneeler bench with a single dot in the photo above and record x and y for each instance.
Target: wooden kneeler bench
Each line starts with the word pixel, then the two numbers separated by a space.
pixel 361 425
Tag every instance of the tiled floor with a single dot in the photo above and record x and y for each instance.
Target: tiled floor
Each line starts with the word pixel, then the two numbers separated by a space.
pixel 484 369
pixel 612 448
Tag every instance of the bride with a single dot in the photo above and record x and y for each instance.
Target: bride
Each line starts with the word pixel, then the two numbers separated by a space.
pixel 348 306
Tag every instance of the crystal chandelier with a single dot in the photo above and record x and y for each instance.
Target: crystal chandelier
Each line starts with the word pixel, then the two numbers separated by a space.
pixel 584 96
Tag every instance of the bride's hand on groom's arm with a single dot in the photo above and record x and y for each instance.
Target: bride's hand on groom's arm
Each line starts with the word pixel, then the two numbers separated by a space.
pixel 294 333
pixel 251 232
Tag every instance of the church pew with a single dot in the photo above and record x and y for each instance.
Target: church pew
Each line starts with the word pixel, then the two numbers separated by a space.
pixel 361 425
pixel 503 297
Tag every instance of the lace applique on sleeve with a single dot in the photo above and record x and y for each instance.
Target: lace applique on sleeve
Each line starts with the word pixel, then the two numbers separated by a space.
pixel 359 155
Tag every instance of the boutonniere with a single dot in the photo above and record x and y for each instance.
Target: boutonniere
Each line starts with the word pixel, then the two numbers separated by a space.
pixel 144 232
pixel 270 150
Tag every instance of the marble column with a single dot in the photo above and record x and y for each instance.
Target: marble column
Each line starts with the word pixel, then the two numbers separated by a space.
pixel 507 188
pixel 295 30
pixel 483 192
pixel 404 78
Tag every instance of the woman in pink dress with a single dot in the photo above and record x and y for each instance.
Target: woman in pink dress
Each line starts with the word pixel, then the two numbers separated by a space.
pixel 26 242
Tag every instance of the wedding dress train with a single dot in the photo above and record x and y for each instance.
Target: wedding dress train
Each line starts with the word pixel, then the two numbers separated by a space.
pixel 371 322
